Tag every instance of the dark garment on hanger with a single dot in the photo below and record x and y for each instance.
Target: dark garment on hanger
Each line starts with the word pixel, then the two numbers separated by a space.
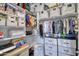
pixel 41 30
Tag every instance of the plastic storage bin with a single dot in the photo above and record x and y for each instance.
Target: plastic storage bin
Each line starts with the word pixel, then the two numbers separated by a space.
pixel 11 21
pixel 68 8
pixel 43 14
pixel 21 22
pixel 2 21
pixel 54 12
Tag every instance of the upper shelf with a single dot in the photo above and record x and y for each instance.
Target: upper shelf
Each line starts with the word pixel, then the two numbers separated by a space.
pixel 13 5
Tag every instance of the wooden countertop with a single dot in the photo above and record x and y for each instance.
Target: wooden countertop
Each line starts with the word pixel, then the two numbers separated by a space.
pixel 17 51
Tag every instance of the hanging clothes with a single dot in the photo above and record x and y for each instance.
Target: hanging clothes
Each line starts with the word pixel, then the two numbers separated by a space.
pixel 53 27
pixel 24 7
pixel 30 20
pixel 72 25
pixel 41 30
pixel 27 20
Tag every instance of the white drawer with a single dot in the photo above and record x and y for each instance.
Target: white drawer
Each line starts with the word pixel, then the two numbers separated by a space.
pixel 62 54
pixel 68 8
pixel 54 12
pixel 67 43
pixel 51 41
pixel 51 47
pixel 50 53
pixel 2 21
pixel 11 21
pixel 21 22
pixel 65 50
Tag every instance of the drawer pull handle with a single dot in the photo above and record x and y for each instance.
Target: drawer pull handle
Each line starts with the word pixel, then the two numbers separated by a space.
pixel 66 50
pixel 12 21
pixel 12 17
pixel 50 53
pixel 66 43
pixel 50 40
pixel 50 47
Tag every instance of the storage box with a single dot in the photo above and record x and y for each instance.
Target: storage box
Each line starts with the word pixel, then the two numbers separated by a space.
pixel 78 8
pixel 2 21
pixel 68 8
pixel 37 7
pixel 11 21
pixel 44 14
pixel 21 22
pixel 2 7
pixel 54 12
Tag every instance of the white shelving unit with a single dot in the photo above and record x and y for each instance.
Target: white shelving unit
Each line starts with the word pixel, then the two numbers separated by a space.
pixel 11 23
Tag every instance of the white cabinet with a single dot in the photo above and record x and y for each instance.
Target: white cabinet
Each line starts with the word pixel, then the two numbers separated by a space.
pixel 2 21
pixel 11 21
pixel 65 50
pixel 67 43
pixel 50 46
pixel 54 12
pixel 68 8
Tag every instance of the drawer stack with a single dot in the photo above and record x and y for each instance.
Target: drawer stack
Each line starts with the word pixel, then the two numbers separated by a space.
pixel 50 47
pixel 66 47
pixel 39 46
